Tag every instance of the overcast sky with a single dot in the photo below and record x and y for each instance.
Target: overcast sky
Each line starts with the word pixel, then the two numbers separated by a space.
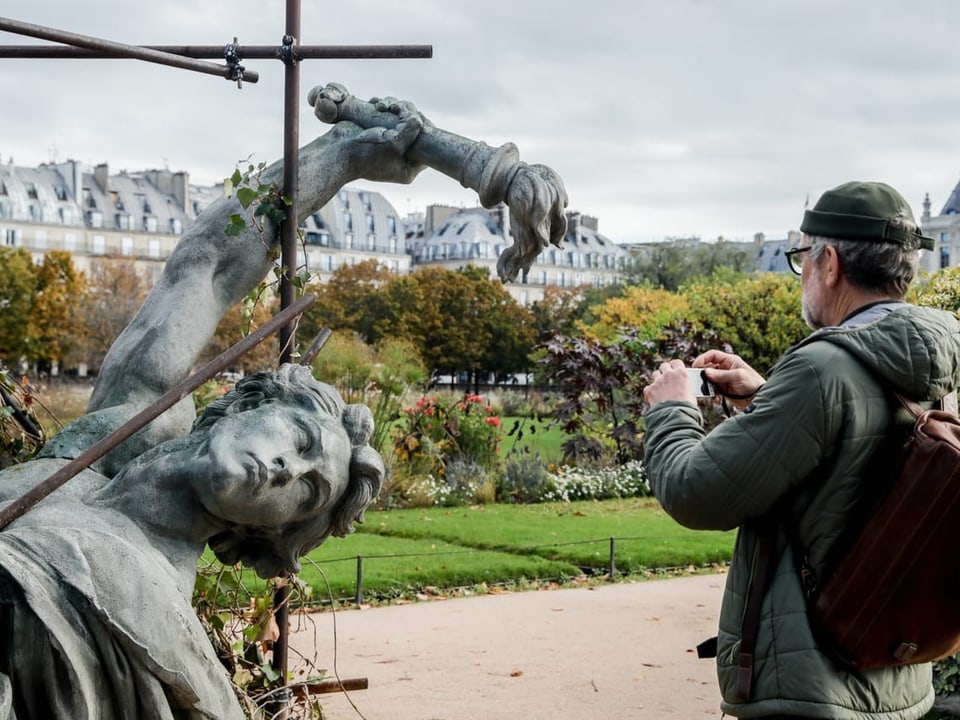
pixel 664 118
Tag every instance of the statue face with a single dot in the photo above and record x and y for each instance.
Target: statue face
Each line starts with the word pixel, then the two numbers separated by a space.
pixel 272 465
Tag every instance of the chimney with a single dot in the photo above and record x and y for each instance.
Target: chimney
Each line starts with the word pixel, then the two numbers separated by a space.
pixel 101 173
pixel 175 184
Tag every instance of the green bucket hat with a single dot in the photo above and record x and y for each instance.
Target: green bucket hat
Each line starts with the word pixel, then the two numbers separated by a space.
pixel 864 211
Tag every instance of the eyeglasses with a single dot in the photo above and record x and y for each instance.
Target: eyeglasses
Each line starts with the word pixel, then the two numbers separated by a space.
pixel 795 258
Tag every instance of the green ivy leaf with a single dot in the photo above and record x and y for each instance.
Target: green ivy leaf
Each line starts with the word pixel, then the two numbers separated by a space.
pixel 270 672
pixel 246 196
pixel 236 227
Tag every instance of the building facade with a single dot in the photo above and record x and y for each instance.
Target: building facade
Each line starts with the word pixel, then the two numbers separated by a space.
pixel 98 216
pixel 945 230
pixel 457 238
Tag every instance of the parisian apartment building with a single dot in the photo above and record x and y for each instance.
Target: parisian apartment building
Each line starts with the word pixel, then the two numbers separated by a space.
pixel 100 216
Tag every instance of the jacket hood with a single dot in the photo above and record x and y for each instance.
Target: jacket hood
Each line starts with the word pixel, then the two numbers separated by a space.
pixel 914 349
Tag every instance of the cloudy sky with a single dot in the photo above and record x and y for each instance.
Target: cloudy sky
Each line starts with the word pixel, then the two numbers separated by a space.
pixel 663 117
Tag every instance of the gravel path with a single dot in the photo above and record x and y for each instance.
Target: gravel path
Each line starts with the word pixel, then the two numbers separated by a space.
pixel 617 651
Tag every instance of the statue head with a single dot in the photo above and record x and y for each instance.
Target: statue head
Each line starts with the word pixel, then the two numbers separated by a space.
pixel 286 463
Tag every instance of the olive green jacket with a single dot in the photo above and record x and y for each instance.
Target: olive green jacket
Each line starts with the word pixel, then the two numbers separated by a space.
pixel 806 444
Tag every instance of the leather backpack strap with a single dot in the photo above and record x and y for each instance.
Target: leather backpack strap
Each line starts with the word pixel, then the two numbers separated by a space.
pixel 765 559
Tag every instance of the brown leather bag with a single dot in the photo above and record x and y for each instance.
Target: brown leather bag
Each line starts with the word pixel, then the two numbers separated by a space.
pixel 893 596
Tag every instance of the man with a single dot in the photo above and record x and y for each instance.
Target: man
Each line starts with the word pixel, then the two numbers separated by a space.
pixel 806 447
pixel 96 579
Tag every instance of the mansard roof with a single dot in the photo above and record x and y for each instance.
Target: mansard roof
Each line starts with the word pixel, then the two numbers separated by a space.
pixel 952 206
pixel 477 233
pixel 40 194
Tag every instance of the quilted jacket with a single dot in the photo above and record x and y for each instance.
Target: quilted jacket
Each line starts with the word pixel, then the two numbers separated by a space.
pixel 803 449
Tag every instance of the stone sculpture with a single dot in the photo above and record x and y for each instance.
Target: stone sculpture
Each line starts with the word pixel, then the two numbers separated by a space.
pixel 96 580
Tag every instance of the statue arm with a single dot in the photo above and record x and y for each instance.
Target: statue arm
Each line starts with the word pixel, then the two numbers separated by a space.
pixel 209 272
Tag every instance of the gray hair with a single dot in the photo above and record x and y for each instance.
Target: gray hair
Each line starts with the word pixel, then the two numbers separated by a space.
pixel 887 267
pixel 273 551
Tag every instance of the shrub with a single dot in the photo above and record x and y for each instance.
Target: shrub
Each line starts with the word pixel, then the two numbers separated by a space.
pixel 622 481
pixel 436 431
pixel 525 480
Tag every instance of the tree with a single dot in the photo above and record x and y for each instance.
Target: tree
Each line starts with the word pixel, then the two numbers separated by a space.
pixel 645 309
pixel 941 290
pixel 17 284
pixel 759 315
pixel 58 293
pixel 351 300
pixel 115 290
pixel 558 311
pixel 460 320
pixel 237 323
pixel 672 264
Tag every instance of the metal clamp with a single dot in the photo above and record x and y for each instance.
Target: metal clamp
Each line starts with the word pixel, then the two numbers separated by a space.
pixel 231 53
pixel 286 52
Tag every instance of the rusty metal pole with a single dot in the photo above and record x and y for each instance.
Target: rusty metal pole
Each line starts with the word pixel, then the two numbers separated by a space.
pixel 288 255
pixel 122 50
pixel 247 52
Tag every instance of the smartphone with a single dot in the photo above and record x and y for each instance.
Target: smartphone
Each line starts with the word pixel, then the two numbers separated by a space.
pixel 699 384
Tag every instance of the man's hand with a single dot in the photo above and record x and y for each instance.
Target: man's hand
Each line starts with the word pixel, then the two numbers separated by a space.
pixel 670 382
pixel 732 377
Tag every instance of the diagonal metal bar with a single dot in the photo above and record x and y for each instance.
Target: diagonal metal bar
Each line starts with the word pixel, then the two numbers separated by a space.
pixel 247 52
pixel 123 49
pixel 96 451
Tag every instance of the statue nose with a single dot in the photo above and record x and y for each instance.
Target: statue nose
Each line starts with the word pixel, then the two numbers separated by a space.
pixel 280 473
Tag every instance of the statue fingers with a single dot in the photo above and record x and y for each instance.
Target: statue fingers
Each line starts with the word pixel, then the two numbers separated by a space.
pixel 325 100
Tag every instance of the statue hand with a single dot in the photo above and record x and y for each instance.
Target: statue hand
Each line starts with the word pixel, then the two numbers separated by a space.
pixel 379 153
pixel 377 149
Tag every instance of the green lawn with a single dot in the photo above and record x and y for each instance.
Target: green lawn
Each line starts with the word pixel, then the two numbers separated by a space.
pixel 578 532
pixel 406 550
pixel 540 438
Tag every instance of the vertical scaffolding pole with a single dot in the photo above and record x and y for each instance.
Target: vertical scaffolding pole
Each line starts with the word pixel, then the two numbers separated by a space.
pixel 288 255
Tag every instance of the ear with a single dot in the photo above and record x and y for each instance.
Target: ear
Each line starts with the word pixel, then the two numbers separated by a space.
pixel 831 269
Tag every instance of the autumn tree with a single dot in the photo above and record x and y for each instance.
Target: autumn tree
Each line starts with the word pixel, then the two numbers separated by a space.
pixel 558 311
pixel 352 299
pixel 463 320
pixel 17 283
pixel 58 293
pixel 642 309
pixel 237 323
pixel 758 315
pixel 115 291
